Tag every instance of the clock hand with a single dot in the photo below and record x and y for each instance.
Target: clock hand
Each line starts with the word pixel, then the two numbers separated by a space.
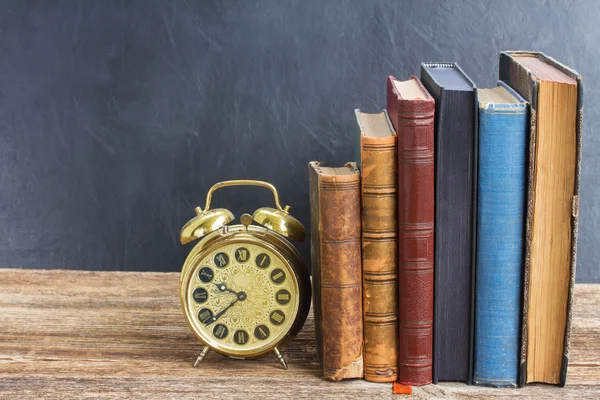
pixel 216 317
pixel 223 288
pixel 241 296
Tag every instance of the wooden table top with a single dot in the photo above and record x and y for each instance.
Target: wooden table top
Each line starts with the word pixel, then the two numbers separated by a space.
pixel 117 335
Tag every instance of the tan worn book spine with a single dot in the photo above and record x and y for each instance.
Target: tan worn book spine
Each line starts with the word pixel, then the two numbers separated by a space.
pixel 525 82
pixel 336 268
pixel 380 255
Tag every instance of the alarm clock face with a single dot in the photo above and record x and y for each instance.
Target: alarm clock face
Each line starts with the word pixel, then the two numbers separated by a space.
pixel 242 298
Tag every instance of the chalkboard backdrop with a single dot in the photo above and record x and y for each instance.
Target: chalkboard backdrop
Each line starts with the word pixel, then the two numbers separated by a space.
pixel 117 116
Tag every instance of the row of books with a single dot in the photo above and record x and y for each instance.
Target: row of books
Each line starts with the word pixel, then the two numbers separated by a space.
pixel 447 250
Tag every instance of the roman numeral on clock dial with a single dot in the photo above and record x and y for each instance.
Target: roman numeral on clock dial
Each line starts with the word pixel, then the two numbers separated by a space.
pixel 277 275
pixel 220 331
pixel 241 337
pixel 242 254
pixel 205 315
pixel 283 297
pixel 277 317
pixel 206 274
pixel 221 260
pixel 263 260
pixel 200 295
pixel 262 332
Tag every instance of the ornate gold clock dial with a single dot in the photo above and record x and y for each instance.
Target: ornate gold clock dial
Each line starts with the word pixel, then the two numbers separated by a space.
pixel 242 298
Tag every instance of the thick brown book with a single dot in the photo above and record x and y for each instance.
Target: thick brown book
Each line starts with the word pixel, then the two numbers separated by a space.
pixel 411 110
pixel 336 268
pixel 379 245
pixel 554 92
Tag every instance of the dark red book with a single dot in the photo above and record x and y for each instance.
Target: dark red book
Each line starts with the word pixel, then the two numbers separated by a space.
pixel 411 110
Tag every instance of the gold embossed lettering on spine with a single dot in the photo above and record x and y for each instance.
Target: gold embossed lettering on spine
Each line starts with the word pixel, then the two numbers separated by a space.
pixel 244 288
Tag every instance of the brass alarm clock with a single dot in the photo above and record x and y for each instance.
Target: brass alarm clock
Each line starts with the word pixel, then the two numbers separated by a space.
pixel 244 288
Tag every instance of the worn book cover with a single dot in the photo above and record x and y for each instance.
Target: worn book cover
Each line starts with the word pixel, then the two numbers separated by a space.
pixel 455 217
pixel 411 110
pixel 336 268
pixel 377 159
pixel 501 185
pixel 555 93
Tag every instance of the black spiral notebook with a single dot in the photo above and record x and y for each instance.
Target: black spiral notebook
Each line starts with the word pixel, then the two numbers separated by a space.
pixel 455 207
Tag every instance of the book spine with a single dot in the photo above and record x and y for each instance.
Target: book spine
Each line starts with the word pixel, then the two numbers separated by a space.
pixel 501 217
pixel 455 176
pixel 339 284
pixel 315 254
pixel 437 92
pixel 521 80
pixel 454 235
pixel 379 253
pixel 415 129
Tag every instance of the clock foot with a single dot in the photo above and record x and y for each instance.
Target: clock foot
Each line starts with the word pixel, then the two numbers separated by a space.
pixel 201 356
pixel 280 358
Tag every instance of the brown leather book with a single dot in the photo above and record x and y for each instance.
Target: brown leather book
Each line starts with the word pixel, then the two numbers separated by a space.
pixel 336 268
pixel 411 111
pixel 379 245
pixel 555 94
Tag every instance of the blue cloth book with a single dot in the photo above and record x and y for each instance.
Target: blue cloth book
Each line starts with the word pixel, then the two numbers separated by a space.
pixel 501 189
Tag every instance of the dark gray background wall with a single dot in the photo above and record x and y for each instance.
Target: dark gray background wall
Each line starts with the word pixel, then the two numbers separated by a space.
pixel 117 116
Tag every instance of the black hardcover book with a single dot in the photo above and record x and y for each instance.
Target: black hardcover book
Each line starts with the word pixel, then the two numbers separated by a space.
pixel 455 219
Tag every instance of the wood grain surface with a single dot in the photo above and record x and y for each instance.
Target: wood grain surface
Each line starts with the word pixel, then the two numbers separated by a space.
pixel 122 335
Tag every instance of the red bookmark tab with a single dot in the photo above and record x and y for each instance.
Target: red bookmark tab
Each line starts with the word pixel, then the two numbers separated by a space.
pixel 399 388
